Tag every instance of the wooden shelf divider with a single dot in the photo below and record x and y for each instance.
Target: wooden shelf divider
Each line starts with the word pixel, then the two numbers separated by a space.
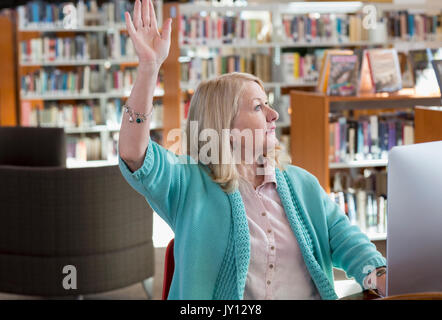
pixel 172 112
pixel 8 90
pixel 427 124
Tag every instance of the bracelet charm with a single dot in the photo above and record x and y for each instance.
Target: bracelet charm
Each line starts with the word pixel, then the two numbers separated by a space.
pixel 140 117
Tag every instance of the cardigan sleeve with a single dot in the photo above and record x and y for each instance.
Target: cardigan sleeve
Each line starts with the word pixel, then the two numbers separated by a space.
pixel 162 179
pixel 351 249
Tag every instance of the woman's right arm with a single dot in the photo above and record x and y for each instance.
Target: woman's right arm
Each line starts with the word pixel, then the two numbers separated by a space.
pixel 152 49
pixel 145 165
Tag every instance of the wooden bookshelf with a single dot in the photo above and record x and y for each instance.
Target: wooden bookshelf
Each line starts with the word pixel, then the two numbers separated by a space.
pixel 172 111
pixel 8 89
pixel 104 130
pixel 175 89
pixel 309 129
pixel 428 124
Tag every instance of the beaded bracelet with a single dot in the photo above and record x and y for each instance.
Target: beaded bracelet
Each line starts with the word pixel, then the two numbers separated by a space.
pixel 140 116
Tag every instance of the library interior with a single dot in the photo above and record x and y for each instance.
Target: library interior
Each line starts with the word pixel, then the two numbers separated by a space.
pixel 352 94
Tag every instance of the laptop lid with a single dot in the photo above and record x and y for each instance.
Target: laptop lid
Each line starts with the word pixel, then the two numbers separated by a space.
pixel 414 218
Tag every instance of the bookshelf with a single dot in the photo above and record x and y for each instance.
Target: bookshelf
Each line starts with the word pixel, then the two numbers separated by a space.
pixel 96 58
pixel 8 115
pixel 310 133
pixel 197 39
pixel 310 125
pixel 308 129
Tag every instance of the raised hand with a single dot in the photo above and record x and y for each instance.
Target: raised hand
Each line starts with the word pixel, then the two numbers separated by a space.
pixel 151 46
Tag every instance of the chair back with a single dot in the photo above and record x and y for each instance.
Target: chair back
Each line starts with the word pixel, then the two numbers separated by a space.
pixel 32 146
pixel 90 218
pixel 169 267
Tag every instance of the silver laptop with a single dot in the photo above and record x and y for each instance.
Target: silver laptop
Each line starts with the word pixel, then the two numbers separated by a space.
pixel 414 219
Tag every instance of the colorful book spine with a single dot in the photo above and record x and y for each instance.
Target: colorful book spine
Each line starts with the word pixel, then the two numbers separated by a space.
pixel 369 137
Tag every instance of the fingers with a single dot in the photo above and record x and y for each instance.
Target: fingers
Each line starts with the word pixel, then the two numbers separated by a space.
pixel 129 25
pixel 153 18
pixel 138 23
pixel 145 13
pixel 166 29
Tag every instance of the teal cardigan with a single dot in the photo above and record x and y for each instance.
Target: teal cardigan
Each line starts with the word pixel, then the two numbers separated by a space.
pixel 212 242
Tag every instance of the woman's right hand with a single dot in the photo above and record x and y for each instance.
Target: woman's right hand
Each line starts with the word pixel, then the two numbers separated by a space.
pixel 150 46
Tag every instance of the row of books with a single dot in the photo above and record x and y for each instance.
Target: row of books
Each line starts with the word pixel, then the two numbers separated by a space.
pixel 363 198
pixel 62 115
pixel 295 67
pixel 336 72
pixel 84 148
pixel 118 79
pixel 347 72
pixel 84 80
pixel 418 26
pixel 38 13
pixel 81 115
pixel 369 137
pixel 309 28
pixel 197 29
pixel 399 25
pixel 80 47
pixel 369 179
pixel 56 80
pixel 197 69
pixel 314 28
pixel 363 209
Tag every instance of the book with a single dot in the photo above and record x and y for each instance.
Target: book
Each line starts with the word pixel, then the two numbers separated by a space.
pixel 406 70
pixel 365 83
pixel 295 67
pixel 384 70
pixel 26 109
pixel 343 75
pixel 425 81
pixel 325 67
pixel 352 138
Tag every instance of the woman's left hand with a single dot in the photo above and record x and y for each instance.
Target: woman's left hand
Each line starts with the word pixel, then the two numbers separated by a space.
pixel 381 284
pixel 378 283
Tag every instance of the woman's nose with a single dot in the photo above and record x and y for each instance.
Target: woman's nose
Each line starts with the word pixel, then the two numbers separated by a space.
pixel 272 114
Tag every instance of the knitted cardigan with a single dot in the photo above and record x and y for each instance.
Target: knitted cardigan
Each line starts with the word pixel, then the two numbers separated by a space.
pixel 212 242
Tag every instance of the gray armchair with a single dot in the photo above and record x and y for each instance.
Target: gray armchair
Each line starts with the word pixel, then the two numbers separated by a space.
pixel 32 146
pixel 90 218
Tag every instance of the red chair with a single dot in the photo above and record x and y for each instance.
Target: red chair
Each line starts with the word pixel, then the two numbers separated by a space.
pixel 169 267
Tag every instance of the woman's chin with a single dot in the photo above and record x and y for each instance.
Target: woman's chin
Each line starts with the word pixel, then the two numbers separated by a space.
pixel 270 146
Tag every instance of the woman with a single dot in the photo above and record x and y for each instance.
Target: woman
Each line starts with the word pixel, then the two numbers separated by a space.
pixel 245 227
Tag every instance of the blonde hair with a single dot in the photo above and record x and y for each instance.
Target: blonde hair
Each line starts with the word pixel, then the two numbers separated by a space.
pixel 214 105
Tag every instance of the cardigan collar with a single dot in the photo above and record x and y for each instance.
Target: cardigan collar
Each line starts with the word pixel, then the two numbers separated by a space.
pixel 241 237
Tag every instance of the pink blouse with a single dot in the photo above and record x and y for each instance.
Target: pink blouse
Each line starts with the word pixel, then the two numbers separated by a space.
pixel 277 269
